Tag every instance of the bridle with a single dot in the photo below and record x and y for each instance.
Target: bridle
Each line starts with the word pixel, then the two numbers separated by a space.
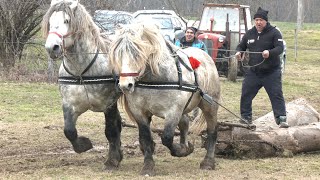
pixel 129 74
pixel 62 37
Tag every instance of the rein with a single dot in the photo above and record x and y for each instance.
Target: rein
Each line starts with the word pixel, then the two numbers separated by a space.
pixel 246 65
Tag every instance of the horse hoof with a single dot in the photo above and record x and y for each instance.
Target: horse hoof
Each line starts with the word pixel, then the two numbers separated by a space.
pixel 190 147
pixel 148 169
pixel 147 172
pixel 207 164
pixel 181 150
pixel 111 165
pixel 82 144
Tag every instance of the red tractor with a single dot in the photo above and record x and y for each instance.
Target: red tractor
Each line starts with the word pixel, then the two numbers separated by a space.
pixel 221 29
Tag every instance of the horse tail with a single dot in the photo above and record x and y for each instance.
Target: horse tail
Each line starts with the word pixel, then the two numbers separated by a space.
pixel 199 124
pixel 124 104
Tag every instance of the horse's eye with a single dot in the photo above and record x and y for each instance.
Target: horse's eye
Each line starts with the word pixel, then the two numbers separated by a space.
pixel 66 21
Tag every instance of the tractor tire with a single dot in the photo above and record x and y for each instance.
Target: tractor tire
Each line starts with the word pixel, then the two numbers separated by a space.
pixel 232 69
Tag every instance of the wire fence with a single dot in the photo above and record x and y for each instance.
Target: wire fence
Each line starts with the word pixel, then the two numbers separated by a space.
pixel 34 64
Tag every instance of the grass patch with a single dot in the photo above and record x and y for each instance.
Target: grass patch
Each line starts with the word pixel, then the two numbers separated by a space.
pixel 28 101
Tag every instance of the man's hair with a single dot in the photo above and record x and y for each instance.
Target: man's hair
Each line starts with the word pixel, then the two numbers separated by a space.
pixel 193 29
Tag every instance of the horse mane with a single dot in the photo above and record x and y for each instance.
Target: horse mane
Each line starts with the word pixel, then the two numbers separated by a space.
pixel 81 24
pixel 142 43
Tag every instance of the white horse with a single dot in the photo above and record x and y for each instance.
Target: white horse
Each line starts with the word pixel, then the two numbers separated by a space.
pixel 85 77
pixel 156 81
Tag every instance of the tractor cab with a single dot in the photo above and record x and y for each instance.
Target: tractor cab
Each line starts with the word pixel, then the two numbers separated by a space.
pixel 221 28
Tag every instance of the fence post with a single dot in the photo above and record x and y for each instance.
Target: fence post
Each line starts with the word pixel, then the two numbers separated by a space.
pixel 50 70
pixel 295 44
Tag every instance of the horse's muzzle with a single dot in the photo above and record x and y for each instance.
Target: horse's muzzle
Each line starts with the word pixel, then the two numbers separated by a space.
pixel 127 81
pixel 54 52
pixel 126 87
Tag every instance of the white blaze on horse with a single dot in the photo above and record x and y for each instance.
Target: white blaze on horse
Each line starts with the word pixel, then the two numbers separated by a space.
pixel 157 79
pixel 85 77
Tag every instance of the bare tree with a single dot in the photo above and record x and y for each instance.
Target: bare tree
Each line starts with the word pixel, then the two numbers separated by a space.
pixel 19 20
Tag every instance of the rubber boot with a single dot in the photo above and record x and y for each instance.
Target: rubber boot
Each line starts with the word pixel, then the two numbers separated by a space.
pixel 245 120
pixel 282 121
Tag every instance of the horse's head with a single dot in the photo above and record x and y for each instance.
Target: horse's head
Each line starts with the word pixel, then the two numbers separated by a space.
pixel 135 47
pixel 57 26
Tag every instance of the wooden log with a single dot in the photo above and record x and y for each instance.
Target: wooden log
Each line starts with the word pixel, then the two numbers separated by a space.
pixel 269 140
pixel 299 112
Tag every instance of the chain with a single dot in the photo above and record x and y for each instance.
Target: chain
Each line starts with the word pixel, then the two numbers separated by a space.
pixel 248 66
pixel 277 148
pixel 242 58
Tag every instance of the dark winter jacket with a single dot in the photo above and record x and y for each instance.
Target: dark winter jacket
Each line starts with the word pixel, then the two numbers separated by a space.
pixel 269 39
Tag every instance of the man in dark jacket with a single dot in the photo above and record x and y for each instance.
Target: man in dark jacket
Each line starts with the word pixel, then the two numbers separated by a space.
pixel 266 43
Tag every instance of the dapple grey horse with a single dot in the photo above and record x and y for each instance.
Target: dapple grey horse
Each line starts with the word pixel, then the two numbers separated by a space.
pixel 85 77
pixel 157 79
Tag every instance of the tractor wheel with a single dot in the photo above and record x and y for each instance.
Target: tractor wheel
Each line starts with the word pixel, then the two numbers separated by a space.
pixel 233 69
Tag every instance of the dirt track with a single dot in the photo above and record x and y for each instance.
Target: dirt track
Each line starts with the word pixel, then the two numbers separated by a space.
pixel 39 150
pixel 28 147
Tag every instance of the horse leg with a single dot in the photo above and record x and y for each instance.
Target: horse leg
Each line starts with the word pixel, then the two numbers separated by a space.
pixel 186 147
pixel 113 132
pixel 210 114
pixel 182 149
pixel 80 144
pixel 147 147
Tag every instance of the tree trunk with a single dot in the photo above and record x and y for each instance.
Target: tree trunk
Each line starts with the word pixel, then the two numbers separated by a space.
pixel 269 140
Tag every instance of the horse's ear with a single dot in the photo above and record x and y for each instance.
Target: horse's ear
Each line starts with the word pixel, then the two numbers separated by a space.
pixel 74 3
pixel 54 2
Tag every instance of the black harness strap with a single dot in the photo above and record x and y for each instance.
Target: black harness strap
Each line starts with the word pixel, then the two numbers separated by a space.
pixel 80 80
pixel 179 72
pixel 91 63
pixel 185 65
pixel 87 68
pixel 177 57
pixel 189 100
pixel 179 61
pixel 76 80
pixel 166 85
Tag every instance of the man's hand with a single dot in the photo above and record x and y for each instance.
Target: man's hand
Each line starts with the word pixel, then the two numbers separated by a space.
pixel 265 54
pixel 238 56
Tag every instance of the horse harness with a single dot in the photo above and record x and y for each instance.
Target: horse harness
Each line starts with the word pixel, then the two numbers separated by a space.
pixel 177 85
pixel 82 80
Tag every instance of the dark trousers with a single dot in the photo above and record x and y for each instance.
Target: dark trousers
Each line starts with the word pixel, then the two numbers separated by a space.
pixel 272 83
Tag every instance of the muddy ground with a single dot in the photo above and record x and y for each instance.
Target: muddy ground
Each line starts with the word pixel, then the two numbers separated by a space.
pixel 39 150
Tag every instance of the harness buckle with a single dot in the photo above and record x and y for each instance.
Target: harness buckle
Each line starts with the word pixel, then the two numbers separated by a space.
pixel 81 81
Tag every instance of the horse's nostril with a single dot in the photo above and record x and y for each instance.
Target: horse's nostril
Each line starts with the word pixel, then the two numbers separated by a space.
pixel 56 47
pixel 130 85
